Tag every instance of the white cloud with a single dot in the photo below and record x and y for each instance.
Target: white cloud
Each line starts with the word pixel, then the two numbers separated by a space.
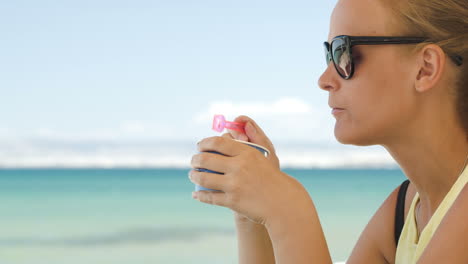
pixel 126 130
pixel 47 133
pixel 4 132
pixel 176 154
pixel 133 127
pixel 302 134
pixel 282 106
pixel 145 129
pixel 284 119
pixel 334 155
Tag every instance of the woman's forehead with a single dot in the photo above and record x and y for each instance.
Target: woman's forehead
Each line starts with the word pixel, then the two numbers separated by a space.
pixel 361 18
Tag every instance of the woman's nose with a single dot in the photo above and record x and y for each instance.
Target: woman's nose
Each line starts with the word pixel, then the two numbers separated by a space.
pixel 327 80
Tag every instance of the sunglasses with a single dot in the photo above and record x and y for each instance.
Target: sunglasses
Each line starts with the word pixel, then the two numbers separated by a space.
pixel 339 50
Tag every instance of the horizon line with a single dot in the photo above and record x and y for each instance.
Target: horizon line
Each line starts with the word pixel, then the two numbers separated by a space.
pixel 344 167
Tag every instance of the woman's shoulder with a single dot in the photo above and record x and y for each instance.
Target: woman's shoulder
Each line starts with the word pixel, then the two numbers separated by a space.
pixel 377 241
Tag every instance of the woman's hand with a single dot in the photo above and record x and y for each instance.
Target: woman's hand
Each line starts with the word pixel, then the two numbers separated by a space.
pixel 252 185
pixel 254 134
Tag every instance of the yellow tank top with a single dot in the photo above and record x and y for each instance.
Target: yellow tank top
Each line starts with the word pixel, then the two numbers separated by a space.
pixel 410 246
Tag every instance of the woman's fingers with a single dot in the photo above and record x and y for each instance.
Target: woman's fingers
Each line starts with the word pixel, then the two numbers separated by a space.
pixel 224 145
pixel 227 135
pixel 210 161
pixel 238 135
pixel 209 180
pixel 215 198
pixel 257 136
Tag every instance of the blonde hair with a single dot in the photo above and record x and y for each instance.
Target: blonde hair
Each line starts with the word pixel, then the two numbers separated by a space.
pixel 445 23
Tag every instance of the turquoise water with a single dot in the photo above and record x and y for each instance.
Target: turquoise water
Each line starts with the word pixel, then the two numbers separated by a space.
pixel 148 216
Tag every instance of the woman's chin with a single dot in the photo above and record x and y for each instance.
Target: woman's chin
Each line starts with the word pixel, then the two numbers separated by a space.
pixel 350 137
pixel 343 138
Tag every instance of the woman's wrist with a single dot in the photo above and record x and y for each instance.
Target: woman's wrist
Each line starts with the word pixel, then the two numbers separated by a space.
pixel 297 235
pixel 242 221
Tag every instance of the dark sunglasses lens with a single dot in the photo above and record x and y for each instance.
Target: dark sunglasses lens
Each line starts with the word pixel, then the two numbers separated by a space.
pixel 341 57
pixel 327 53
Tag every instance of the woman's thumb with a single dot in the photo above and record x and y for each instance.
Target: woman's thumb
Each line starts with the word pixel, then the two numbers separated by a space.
pixel 256 135
pixel 251 132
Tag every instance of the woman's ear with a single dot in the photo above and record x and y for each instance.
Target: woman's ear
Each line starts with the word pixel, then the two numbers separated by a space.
pixel 431 67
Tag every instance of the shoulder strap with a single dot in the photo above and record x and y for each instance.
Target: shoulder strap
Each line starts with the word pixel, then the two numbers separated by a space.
pixel 400 210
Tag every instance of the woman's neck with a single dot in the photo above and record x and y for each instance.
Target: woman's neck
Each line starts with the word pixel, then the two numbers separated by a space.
pixel 432 160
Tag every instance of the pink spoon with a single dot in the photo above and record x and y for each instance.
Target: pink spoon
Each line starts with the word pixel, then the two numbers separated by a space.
pixel 219 123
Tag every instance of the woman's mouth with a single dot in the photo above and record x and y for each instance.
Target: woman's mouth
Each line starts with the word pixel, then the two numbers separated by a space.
pixel 336 111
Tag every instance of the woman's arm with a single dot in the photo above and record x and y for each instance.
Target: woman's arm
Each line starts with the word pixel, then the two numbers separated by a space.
pixel 298 237
pixel 376 243
pixel 254 244
pixel 255 187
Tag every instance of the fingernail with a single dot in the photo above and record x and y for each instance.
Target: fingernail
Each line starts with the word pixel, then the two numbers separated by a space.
pixel 251 128
pixel 194 195
pixel 243 137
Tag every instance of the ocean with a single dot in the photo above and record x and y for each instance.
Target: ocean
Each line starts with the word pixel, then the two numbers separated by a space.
pixel 128 216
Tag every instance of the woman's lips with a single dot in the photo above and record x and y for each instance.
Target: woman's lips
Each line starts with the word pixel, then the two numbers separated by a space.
pixel 336 111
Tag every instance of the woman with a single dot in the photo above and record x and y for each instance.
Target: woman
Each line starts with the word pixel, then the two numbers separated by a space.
pixel 409 94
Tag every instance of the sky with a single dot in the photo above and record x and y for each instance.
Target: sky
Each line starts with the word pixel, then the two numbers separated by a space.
pixel 136 83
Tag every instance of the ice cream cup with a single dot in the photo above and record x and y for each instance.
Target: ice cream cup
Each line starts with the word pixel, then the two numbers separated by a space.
pixel 262 149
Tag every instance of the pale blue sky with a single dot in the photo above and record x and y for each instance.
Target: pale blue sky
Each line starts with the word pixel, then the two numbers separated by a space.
pixel 90 66
pixel 85 73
